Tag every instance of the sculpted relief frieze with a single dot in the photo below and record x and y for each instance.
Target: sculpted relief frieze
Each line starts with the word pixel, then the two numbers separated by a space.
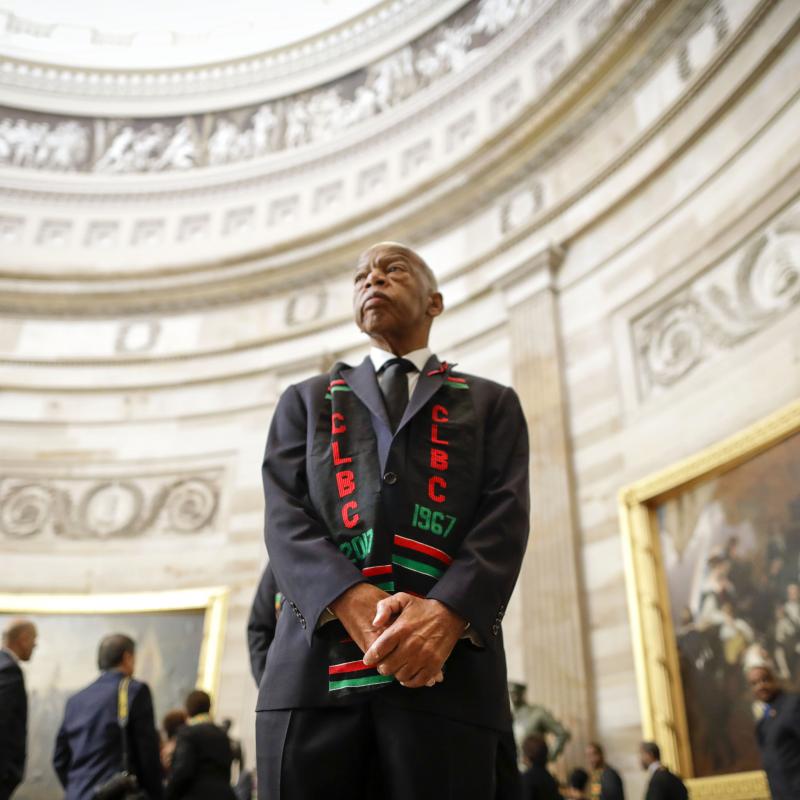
pixel 47 508
pixel 120 146
pixel 723 307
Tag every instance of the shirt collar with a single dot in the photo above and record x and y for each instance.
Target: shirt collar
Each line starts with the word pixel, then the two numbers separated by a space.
pixel 654 767
pixel 419 358
pixel 199 719
pixel 13 655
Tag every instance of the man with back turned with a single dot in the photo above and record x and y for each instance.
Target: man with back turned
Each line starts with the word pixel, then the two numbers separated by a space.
pixel 397 518
pixel 19 640
pixel 89 744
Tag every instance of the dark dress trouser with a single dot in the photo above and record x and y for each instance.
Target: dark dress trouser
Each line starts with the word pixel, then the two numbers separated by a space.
pixel 372 751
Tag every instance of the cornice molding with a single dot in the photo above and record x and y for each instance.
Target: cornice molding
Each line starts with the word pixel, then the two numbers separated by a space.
pixel 501 174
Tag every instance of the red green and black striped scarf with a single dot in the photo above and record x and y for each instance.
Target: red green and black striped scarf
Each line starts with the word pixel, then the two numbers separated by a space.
pixel 402 536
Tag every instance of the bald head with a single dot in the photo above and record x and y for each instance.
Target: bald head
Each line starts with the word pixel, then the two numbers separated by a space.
pixel 19 636
pixel 384 251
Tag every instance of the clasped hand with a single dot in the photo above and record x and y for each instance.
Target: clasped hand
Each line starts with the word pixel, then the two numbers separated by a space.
pixel 408 637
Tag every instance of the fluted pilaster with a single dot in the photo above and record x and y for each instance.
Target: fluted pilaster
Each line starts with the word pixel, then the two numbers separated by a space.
pixel 550 585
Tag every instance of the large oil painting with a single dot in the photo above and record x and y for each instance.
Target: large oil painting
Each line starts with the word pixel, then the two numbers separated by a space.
pixel 731 550
pixel 713 557
pixel 177 640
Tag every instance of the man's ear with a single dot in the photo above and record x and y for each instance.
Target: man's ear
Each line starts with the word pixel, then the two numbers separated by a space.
pixel 435 304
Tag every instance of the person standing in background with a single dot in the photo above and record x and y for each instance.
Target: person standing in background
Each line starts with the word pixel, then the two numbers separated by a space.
pixel 606 783
pixel 19 641
pixel 663 785
pixel 173 721
pixel 262 622
pixel 777 733
pixel 201 764
pixel 537 782
pixel 88 749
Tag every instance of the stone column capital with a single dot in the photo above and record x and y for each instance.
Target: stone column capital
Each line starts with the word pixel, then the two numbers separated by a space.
pixel 531 276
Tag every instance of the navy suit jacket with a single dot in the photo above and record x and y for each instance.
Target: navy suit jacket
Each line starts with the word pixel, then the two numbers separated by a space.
pixel 262 623
pixel 778 738
pixel 88 747
pixel 312 572
pixel 665 785
pixel 13 725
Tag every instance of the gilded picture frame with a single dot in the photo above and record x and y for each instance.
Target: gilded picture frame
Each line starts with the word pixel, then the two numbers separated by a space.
pixel 179 637
pixel 660 688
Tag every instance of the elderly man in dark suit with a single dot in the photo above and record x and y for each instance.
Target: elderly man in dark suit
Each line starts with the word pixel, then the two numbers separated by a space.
pixel 201 766
pixel 88 749
pixel 397 518
pixel 19 640
pixel 663 784
pixel 777 733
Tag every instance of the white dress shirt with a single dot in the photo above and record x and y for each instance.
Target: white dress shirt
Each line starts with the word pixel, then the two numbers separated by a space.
pixel 419 358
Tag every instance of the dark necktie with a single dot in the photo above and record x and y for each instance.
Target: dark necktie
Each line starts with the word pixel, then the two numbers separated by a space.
pixel 393 380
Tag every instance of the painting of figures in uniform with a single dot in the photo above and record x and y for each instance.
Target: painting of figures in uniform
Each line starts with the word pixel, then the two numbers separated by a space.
pixel 65 660
pixel 731 551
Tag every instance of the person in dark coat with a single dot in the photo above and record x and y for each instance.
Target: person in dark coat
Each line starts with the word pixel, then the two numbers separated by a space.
pixel 262 622
pixel 777 733
pixel 88 750
pixel 537 782
pixel 397 497
pixel 19 640
pixel 577 784
pixel 606 783
pixel 663 785
pixel 201 764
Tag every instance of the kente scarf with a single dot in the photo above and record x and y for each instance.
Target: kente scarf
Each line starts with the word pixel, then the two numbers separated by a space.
pixel 402 529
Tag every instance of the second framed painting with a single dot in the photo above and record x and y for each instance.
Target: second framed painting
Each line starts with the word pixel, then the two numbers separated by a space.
pixel 712 550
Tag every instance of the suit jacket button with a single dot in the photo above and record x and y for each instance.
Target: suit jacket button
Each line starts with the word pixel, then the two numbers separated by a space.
pixel 390 478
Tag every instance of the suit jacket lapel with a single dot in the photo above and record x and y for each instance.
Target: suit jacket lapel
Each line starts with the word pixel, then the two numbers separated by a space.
pixel 362 381
pixel 427 385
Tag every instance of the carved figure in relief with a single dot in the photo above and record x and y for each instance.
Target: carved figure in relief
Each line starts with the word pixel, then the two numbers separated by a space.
pixel 180 151
pixel 298 121
pixel 393 79
pixel 59 147
pixel 496 15
pixel 66 147
pixel 265 124
pixel 114 158
pixel 326 112
pixel 222 144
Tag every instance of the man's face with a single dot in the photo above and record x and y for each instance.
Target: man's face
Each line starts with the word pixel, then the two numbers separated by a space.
pixel 390 295
pixel 26 643
pixel 762 683
pixel 594 757
pixel 793 592
pixel 645 759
